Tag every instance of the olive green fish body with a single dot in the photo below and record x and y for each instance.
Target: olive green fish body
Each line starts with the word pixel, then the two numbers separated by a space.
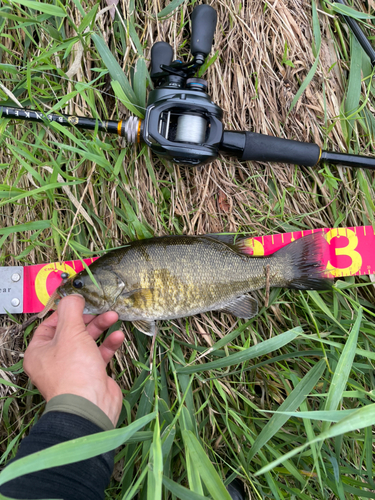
pixel 177 276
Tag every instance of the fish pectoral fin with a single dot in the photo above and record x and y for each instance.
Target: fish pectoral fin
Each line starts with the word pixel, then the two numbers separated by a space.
pixel 140 297
pixel 243 307
pixel 146 327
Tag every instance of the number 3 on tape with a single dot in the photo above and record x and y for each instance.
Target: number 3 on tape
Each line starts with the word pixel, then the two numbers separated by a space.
pixel 349 250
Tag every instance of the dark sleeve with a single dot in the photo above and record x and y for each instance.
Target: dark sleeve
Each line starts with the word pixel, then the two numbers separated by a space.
pixel 84 480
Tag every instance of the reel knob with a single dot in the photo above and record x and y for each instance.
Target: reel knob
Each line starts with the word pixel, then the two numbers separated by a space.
pixel 203 25
pixel 161 53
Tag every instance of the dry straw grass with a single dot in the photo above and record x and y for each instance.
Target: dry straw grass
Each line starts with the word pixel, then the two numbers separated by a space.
pixel 252 82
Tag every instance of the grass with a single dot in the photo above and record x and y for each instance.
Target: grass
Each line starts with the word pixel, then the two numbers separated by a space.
pixel 285 401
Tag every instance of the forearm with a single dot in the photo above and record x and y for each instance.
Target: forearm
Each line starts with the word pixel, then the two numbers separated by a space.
pixel 82 480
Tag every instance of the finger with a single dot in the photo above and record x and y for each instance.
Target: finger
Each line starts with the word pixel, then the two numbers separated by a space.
pixel 46 330
pixel 87 318
pixel 70 313
pixel 100 323
pixel 110 345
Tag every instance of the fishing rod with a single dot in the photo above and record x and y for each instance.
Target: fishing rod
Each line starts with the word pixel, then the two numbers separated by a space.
pixel 358 33
pixel 181 122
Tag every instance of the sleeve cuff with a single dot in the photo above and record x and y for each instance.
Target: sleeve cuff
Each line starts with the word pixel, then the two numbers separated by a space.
pixel 78 405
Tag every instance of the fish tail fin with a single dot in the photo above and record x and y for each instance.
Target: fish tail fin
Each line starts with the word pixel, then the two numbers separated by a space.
pixel 302 263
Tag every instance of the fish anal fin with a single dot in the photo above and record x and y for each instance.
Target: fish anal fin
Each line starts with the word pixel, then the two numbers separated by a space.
pixel 146 327
pixel 243 307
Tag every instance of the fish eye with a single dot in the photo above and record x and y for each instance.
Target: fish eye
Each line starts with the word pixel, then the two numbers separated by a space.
pixel 78 283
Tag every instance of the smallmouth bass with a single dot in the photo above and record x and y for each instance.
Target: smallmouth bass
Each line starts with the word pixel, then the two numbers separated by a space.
pixel 176 276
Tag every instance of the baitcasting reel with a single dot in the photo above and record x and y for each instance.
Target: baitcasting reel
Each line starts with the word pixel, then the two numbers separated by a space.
pixel 184 126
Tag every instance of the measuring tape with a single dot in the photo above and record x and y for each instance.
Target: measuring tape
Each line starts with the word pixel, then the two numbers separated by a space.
pixel 350 251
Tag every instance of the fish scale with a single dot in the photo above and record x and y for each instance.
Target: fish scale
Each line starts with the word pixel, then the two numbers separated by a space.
pixel 206 275
pixel 177 276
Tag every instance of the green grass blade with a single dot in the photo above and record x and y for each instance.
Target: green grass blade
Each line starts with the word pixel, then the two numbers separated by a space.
pixel 155 472
pixel 292 402
pixel 180 491
pixel 134 37
pixel 170 8
pixel 42 7
pixel 114 68
pixel 207 471
pixel 328 416
pixel 343 369
pixel 345 10
pixel 364 417
pixel 42 189
pixel 323 306
pixel 192 471
pixel 316 454
pixel 123 96
pixel 28 226
pixel 252 352
pixel 354 86
pixel 73 451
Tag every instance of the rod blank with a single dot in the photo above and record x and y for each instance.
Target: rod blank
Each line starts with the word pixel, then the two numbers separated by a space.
pixel 110 126
pixel 348 160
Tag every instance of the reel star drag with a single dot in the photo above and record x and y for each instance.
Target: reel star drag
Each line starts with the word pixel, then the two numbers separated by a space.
pixel 184 126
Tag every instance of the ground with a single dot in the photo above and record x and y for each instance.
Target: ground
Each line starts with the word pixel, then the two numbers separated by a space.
pixel 284 68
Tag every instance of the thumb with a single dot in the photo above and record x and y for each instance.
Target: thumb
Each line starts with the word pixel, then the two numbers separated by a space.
pixel 70 314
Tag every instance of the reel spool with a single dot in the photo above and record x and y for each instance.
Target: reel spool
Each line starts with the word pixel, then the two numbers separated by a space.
pixel 177 127
pixel 191 128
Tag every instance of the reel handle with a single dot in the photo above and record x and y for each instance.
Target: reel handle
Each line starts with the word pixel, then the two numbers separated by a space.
pixel 203 25
pixel 161 53
pixel 260 147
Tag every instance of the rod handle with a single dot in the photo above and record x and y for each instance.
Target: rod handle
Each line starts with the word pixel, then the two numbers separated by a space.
pixel 203 25
pixel 260 147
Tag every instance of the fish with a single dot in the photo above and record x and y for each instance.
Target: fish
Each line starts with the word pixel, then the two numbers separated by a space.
pixel 169 277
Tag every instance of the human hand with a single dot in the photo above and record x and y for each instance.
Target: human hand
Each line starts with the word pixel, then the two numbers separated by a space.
pixel 63 357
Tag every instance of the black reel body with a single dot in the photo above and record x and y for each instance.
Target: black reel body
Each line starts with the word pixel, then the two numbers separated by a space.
pixel 183 125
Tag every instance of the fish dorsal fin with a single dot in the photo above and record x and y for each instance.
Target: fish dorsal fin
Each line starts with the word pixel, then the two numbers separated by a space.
pixel 146 327
pixel 243 307
pixel 223 238
pixel 244 246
